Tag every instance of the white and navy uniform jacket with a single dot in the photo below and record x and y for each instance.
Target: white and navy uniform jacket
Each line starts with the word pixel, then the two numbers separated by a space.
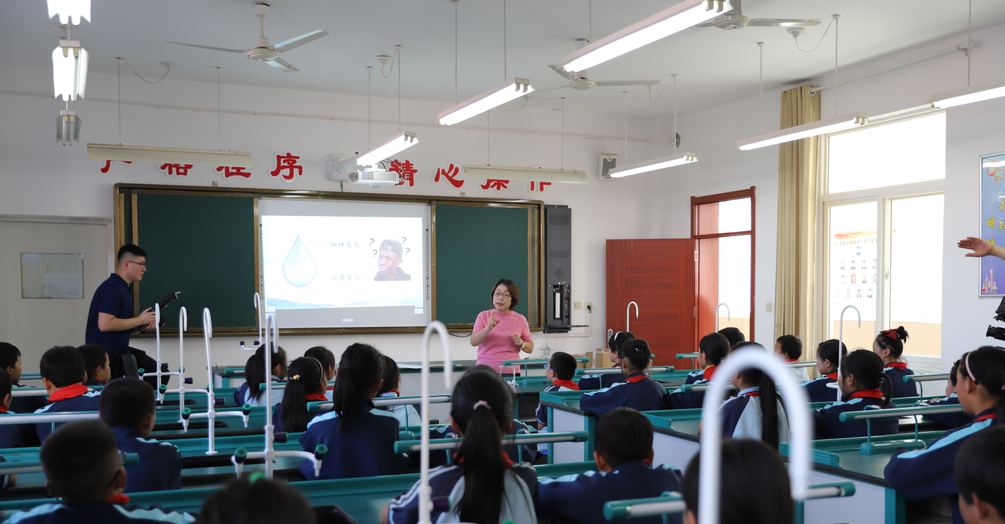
pixel 580 499
pixel 406 414
pixel 827 420
pixel 601 381
pixel 104 511
pixel 362 448
pixel 243 396
pixel 928 473
pixel 691 399
pixel 742 418
pixel 12 435
pixel 799 373
pixel 75 397
pixel 897 371
pixel 542 412
pixel 520 494
pixel 951 420
pixel 160 462
pixel 638 392
pixel 817 390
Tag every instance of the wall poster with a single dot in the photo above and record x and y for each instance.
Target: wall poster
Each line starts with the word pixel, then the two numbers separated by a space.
pixel 992 221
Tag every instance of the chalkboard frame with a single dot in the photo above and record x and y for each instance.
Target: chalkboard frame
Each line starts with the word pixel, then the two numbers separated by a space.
pixel 125 202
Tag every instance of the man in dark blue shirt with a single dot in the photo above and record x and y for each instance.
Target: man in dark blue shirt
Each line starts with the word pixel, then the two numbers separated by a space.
pixel 110 319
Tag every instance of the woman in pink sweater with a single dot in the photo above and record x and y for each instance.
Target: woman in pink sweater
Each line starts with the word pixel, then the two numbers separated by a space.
pixel 501 333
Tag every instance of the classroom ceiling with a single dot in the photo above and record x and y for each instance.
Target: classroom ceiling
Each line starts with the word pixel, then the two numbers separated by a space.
pixel 714 66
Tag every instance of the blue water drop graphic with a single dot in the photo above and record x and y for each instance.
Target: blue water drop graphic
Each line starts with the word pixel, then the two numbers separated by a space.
pixel 299 268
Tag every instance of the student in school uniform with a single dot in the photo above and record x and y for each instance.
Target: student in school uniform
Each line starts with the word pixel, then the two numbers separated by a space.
pixel 790 347
pixel 980 477
pixel 638 391
pixel 360 439
pixel 254 375
pixel 754 485
pixel 927 473
pixel 889 345
pixel 864 386
pixel 951 420
pixel 83 467
pixel 406 414
pixel 624 455
pixel 733 335
pixel 11 436
pixel 127 406
pixel 756 411
pixel 614 352
pixel 482 484
pixel 559 371
pixel 827 366
pixel 257 500
pixel 327 360
pixel 10 360
pixel 712 348
pixel 96 364
pixel 62 370
pixel 305 382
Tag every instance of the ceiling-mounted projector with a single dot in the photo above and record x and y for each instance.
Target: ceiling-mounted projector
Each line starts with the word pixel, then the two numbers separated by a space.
pixel 374 177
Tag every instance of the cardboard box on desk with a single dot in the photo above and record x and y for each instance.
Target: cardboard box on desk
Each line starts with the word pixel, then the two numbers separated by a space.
pixel 583 365
pixel 601 358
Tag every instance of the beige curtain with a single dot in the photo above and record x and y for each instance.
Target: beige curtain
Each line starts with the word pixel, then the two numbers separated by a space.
pixel 795 283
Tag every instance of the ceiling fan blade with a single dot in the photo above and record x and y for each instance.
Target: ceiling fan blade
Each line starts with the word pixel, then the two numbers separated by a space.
pixel 615 83
pixel 566 75
pixel 279 63
pixel 706 24
pixel 783 22
pixel 539 91
pixel 211 48
pixel 296 42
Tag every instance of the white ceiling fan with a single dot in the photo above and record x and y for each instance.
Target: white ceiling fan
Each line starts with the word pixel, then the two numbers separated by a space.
pixel 580 82
pixel 263 52
pixel 734 19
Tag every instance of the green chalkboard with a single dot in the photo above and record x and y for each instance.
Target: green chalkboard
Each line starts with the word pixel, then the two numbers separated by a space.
pixel 474 247
pixel 203 246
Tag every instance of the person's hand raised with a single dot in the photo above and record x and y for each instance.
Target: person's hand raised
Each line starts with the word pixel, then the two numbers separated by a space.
pixel 493 321
pixel 979 246
pixel 516 339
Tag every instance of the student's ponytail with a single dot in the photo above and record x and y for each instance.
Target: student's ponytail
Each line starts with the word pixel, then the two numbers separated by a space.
pixel 254 370
pixel 892 339
pixel 638 354
pixel 482 408
pixel 305 377
pixel 361 368
pixel 768 398
pixel 986 367
pixel 867 368
pixel 886 386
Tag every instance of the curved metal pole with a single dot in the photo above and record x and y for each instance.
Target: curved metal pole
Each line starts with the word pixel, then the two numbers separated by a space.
pixel 841 343
pixel 271 342
pixel 628 318
pixel 260 312
pixel 207 333
pixel 182 326
pixel 801 430
pixel 157 325
pixel 728 316
pixel 425 492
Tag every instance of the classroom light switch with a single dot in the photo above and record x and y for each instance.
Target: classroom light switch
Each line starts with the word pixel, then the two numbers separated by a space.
pixel 578 305
pixel 768 306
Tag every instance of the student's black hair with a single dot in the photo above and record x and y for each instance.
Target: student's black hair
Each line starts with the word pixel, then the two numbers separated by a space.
pixel 980 468
pixel 481 367
pixel 828 350
pixel 953 371
pixel 618 339
pixel 733 335
pixel 987 369
pixel 129 249
pixel 5 384
pixel 514 292
pixel 63 366
pixel 254 370
pixel 80 459
pixel 391 376
pixel 563 364
pixel 303 378
pixel 892 339
pixel 9 353
pixel 126 402
pixel 754 479
pixel 767 396
pixel 94 357
pixel 324 356
pixel 867 368
pixel 261 501
pixel 792 347
pixel 482 408
pixel 360 369
pixel 715 347
pixel 636 351
pixel 623 435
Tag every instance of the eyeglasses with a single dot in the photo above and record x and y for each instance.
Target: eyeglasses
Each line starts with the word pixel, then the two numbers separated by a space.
pixel 501 295
pixel 546 366
pixel 144 264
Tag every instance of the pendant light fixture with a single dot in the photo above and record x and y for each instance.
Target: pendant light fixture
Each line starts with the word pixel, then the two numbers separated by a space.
pixel 969 95
pixel 655 164
pixel 812 129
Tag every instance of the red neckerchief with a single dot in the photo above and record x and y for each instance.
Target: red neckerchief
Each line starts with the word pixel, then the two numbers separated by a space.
pixel 73 390
pixel 3 409
pixel 566 384
pixel 753 393
pixel 791 360
pixel 866 393
pixel 506 460
pixel 636 378
pixel 898 365
pixel 709 371
pixel 832 376
pixel 119 499
pixel 648 462
pixel 396 393
pixel 315 397
pixel 985 417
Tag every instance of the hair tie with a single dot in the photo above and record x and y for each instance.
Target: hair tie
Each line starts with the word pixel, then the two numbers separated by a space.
pixel 481 403
pixel 890 333
pixel 295 377
pixel 966 362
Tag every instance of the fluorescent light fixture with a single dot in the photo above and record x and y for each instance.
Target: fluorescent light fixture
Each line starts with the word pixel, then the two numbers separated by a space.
pixel 969 95
pixel 994 163
pixel 68 10
pixel 661 25
pixel 167 155
pixel 485 101
pixel 530 174
pixel 653 165
pixel 68 127
pixel 69 70
pixel 822 127
pixel 388 149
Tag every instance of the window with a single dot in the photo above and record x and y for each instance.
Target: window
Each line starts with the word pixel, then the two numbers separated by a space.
pixel 882 215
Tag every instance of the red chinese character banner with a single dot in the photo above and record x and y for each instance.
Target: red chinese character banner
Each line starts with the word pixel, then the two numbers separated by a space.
pixel 287 167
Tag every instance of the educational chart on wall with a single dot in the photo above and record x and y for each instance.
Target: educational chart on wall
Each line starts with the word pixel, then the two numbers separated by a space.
pixel 992 221
pixel 853 273
pixel 345 264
